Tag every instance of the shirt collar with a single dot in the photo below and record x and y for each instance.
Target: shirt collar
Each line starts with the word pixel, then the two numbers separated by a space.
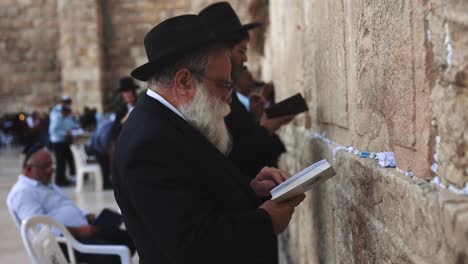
pixel 163 101
pixel 130 108
pixel 24 179
pixel 244 100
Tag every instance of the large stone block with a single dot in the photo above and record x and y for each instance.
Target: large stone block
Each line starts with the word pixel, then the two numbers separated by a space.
pixel 405 70
pixel 81 51
pixel 448 25
pixel 331 64
pixel 28 51
pixel 391 78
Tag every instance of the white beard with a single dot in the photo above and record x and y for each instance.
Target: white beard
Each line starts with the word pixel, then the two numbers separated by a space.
pixel 207 115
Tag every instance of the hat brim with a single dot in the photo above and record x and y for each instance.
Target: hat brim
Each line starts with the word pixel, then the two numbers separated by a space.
pixel 250 26
pixel 228 34
pixel 132 88
pixel 147 70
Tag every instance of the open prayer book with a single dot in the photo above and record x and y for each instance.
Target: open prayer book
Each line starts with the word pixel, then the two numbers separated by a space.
pixel 303 181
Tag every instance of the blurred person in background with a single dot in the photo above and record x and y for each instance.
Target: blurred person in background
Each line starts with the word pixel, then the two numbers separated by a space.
pixel 127 89
pixel 88 118
pixel 60 128
pixel 100 145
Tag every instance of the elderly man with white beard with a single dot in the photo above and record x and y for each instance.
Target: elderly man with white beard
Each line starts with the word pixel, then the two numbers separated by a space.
pixel 182 200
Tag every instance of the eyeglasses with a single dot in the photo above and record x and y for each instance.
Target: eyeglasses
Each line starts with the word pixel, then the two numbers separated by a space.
pixel 219 82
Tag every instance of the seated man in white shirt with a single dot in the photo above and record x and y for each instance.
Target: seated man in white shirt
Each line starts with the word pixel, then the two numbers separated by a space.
pixel 34 194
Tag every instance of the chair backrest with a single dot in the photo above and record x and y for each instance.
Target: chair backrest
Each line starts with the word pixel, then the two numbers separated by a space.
pixel 78 157
pixel 40 242
pixel 17 222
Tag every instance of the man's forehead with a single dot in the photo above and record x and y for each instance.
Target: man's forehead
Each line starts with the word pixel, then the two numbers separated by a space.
pixel 42 155
pixel 221 58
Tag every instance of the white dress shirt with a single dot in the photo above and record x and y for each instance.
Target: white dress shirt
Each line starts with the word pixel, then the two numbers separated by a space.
pixel 29 197
pixel 245 101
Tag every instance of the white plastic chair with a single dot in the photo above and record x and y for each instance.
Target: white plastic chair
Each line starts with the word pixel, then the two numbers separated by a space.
pixel 17 222
pixel 82 167
pixel 42 246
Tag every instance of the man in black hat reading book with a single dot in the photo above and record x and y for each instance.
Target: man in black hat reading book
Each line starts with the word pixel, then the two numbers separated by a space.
pixel 255 144
pixel 181 199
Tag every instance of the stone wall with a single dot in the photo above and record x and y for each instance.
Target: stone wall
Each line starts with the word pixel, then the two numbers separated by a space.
pixel 80 51
pixel 378 76
pixel 80 48
pixel 125 24
pixel 29 65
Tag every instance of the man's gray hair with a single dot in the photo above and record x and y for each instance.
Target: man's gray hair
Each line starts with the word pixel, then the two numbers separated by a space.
pixel 196 60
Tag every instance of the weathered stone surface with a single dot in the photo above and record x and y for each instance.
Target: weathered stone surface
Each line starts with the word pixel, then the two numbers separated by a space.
pixel 81 52
pixel 331 63
pixel 78 41
pixel 401 71
pixel 448 25
pixel 366 214
pixel 367 70
pixel 29 66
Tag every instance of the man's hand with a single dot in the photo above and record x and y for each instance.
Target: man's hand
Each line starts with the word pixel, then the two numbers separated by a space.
pixel 267 90
pixel 281 213
pixel 91 218
pixel 267 179
pixel 84 231
pixel 257 106
pixel 273 124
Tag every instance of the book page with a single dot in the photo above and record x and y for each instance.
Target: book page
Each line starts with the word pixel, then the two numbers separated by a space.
pixel 304 182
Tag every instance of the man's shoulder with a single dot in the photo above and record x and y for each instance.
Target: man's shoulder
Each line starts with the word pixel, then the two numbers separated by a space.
pixel 21 190
pixel 151 117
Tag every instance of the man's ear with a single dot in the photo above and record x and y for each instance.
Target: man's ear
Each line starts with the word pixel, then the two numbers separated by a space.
pixel 184 84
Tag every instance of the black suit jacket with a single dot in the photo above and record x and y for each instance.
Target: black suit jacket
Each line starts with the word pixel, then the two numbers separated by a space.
pixel 182 201
pixel 253 147
pixel 117 126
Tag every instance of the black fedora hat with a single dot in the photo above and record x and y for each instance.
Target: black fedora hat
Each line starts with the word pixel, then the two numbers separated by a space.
pixel 223 20
pixel 169 40
pixel 127 84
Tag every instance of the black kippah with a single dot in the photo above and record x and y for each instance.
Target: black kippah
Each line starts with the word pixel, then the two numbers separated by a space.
pixel 29 150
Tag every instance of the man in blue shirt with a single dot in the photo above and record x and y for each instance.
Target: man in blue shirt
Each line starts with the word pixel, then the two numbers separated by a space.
pixel 34 194
pixel 61 124
pixel 99 145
